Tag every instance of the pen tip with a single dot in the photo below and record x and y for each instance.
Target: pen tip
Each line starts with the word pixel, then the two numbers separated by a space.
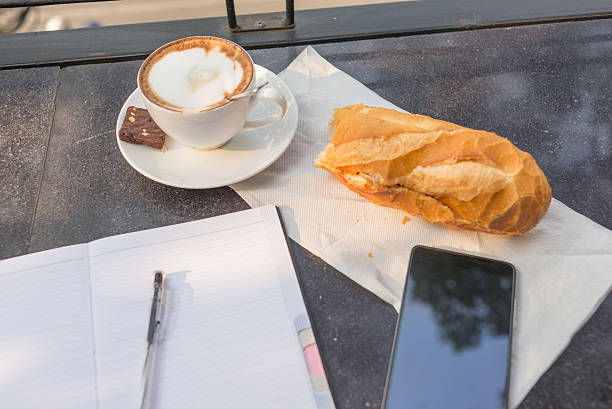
pixel 159 276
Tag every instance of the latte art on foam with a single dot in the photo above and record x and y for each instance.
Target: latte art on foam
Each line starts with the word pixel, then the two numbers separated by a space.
pixel 195 78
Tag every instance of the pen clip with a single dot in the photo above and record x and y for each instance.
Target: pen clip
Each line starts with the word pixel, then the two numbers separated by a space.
pixel 156 301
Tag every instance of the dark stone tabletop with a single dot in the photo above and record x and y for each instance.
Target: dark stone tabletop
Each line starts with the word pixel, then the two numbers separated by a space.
pixel 548 88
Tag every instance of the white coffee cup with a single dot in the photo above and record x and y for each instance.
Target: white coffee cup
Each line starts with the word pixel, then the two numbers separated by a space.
pixel 210 126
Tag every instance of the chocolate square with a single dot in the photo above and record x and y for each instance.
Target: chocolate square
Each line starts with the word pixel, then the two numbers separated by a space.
pixel 138 127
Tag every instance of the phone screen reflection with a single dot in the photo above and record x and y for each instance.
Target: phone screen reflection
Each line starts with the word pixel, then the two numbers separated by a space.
pixel 452 346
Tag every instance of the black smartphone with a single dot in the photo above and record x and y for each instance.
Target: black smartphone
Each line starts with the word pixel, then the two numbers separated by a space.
pixel 454 333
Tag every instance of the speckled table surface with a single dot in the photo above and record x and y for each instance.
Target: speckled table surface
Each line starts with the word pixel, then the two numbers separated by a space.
pixel 548 88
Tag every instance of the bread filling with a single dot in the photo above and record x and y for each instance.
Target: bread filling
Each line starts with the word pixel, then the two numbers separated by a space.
pixel 463 180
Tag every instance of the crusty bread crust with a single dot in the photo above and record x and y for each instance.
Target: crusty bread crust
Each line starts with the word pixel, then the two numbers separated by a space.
pixel 444 172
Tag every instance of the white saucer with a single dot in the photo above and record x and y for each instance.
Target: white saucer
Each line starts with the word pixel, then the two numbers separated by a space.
pixel 243 156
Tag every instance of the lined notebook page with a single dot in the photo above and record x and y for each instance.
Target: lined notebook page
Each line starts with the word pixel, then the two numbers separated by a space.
pixel 228 342
pixel 46 348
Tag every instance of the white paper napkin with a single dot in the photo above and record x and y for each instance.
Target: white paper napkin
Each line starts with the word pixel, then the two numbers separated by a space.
pixel 564 264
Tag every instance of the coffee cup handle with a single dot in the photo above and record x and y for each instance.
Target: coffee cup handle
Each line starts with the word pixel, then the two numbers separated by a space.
pixel 270 94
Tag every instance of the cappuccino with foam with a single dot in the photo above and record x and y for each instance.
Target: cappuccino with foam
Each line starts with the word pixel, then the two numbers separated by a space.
pixel 196 73
pixel 186 86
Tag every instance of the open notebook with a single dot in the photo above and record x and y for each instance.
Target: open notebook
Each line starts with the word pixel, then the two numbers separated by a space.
pixel 74 321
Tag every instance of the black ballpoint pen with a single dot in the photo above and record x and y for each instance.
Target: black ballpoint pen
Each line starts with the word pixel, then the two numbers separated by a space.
pixel 152 339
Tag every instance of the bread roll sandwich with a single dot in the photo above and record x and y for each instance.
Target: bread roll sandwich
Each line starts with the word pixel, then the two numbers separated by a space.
pixel 446 173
